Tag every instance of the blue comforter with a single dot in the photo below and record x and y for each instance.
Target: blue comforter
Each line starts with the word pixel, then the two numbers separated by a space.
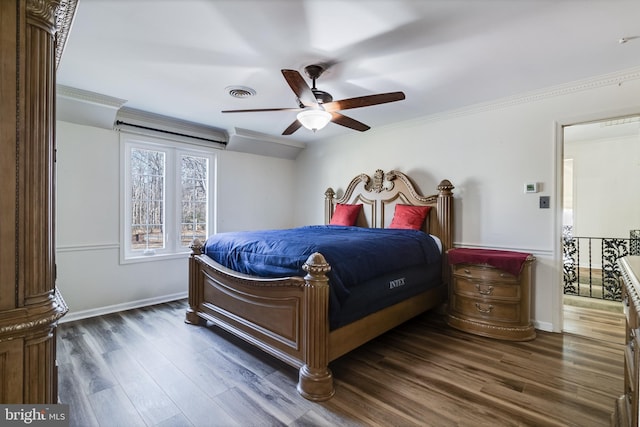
pixel 355 254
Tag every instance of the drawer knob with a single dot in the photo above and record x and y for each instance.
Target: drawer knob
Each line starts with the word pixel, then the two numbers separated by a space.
pixel 466 270
pixel 482 309
pixel 486 291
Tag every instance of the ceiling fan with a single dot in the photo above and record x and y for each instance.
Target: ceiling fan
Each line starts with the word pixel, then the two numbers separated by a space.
pixel 317 107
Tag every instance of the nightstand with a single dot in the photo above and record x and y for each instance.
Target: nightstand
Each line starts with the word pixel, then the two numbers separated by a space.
pixel 490 293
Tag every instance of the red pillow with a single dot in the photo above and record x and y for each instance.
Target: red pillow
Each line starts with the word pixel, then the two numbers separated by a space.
pixel 345 214
pixel 408 216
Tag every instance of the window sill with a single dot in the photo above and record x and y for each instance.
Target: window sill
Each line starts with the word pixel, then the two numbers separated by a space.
pixel 134 259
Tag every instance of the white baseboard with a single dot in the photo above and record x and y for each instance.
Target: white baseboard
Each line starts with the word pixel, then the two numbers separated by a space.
pixel 84 314
pixel 543 326
pixel 94 312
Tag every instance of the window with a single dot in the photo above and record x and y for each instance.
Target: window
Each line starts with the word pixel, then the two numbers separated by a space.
pixel 166 197
pixel 193 221
pixel 147 199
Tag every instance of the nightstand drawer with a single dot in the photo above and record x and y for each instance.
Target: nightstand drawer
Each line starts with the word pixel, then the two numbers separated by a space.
pixel 476 288
pixel 486 310
pixel 481 272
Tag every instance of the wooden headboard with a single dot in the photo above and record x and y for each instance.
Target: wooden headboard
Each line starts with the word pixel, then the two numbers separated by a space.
pixel 380 194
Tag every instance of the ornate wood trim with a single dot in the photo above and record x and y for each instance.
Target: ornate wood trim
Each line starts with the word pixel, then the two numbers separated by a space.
pixel 64 20
pixel 55 17
pixel 25 320
pixel 30 304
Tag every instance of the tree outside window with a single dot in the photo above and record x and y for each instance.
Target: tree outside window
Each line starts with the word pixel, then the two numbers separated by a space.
pixel 147 199
pixel 194 177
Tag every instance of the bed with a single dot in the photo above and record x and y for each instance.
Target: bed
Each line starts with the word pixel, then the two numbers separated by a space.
pixel 293 317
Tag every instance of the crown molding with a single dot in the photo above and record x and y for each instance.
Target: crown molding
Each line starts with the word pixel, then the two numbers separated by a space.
pixel 89 97
pixel 248 141
pixel 86 108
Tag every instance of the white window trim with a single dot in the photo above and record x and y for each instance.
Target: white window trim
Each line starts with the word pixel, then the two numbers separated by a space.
pixel 174 149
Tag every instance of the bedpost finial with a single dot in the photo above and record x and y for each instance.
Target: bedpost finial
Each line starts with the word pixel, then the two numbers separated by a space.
pixel 196 246
pixel 329 194
pixel 316 264
pixel 445 187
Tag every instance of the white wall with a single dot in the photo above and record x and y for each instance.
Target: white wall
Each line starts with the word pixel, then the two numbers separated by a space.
pixel 488 152
pixel 606 175
pixel 252 192
pixel 606 172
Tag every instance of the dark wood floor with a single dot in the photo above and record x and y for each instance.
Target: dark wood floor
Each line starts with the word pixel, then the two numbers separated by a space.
pixel 147 367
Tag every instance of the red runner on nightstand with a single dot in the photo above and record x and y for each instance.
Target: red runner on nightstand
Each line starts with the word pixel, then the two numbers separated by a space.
pixel 508 261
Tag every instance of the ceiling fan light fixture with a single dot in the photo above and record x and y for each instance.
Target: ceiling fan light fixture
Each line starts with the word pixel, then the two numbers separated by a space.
pixel 314 119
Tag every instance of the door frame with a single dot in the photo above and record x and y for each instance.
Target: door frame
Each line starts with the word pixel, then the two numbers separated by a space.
pixel 559 125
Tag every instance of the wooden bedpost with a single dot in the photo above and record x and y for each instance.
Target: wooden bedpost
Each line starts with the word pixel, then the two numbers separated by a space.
pixel 445 220
pixel 195 291
pixel 316 380
pixel 329 206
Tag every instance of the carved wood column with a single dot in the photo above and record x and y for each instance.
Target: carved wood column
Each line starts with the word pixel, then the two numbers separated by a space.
pixel 196 289
pixel 30 305
pixel 329 206
pixel 315 380
pixel 445 218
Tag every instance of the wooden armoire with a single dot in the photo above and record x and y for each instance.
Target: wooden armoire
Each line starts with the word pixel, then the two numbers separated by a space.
pixel 32 38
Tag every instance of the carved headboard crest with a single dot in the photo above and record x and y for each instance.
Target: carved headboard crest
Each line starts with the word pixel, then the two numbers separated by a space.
pixel 381 181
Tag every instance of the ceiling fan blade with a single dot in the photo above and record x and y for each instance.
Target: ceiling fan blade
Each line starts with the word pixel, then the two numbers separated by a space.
pixel 363 101
pixel 261 110
pixel 292 128
pixel 348 122
pixel 300 88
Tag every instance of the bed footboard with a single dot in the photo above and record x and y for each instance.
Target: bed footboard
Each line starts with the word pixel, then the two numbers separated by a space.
pixel 285 317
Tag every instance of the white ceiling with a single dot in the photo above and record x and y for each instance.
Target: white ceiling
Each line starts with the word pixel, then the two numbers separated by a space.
pixel 175 58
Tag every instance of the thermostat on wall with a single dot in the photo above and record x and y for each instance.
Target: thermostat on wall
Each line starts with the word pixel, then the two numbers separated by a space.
pixel 531 187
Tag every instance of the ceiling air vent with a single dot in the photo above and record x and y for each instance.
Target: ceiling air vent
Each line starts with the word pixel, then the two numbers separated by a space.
pixel 240 91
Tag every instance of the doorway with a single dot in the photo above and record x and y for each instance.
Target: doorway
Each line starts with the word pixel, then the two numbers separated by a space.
pixel 600 168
